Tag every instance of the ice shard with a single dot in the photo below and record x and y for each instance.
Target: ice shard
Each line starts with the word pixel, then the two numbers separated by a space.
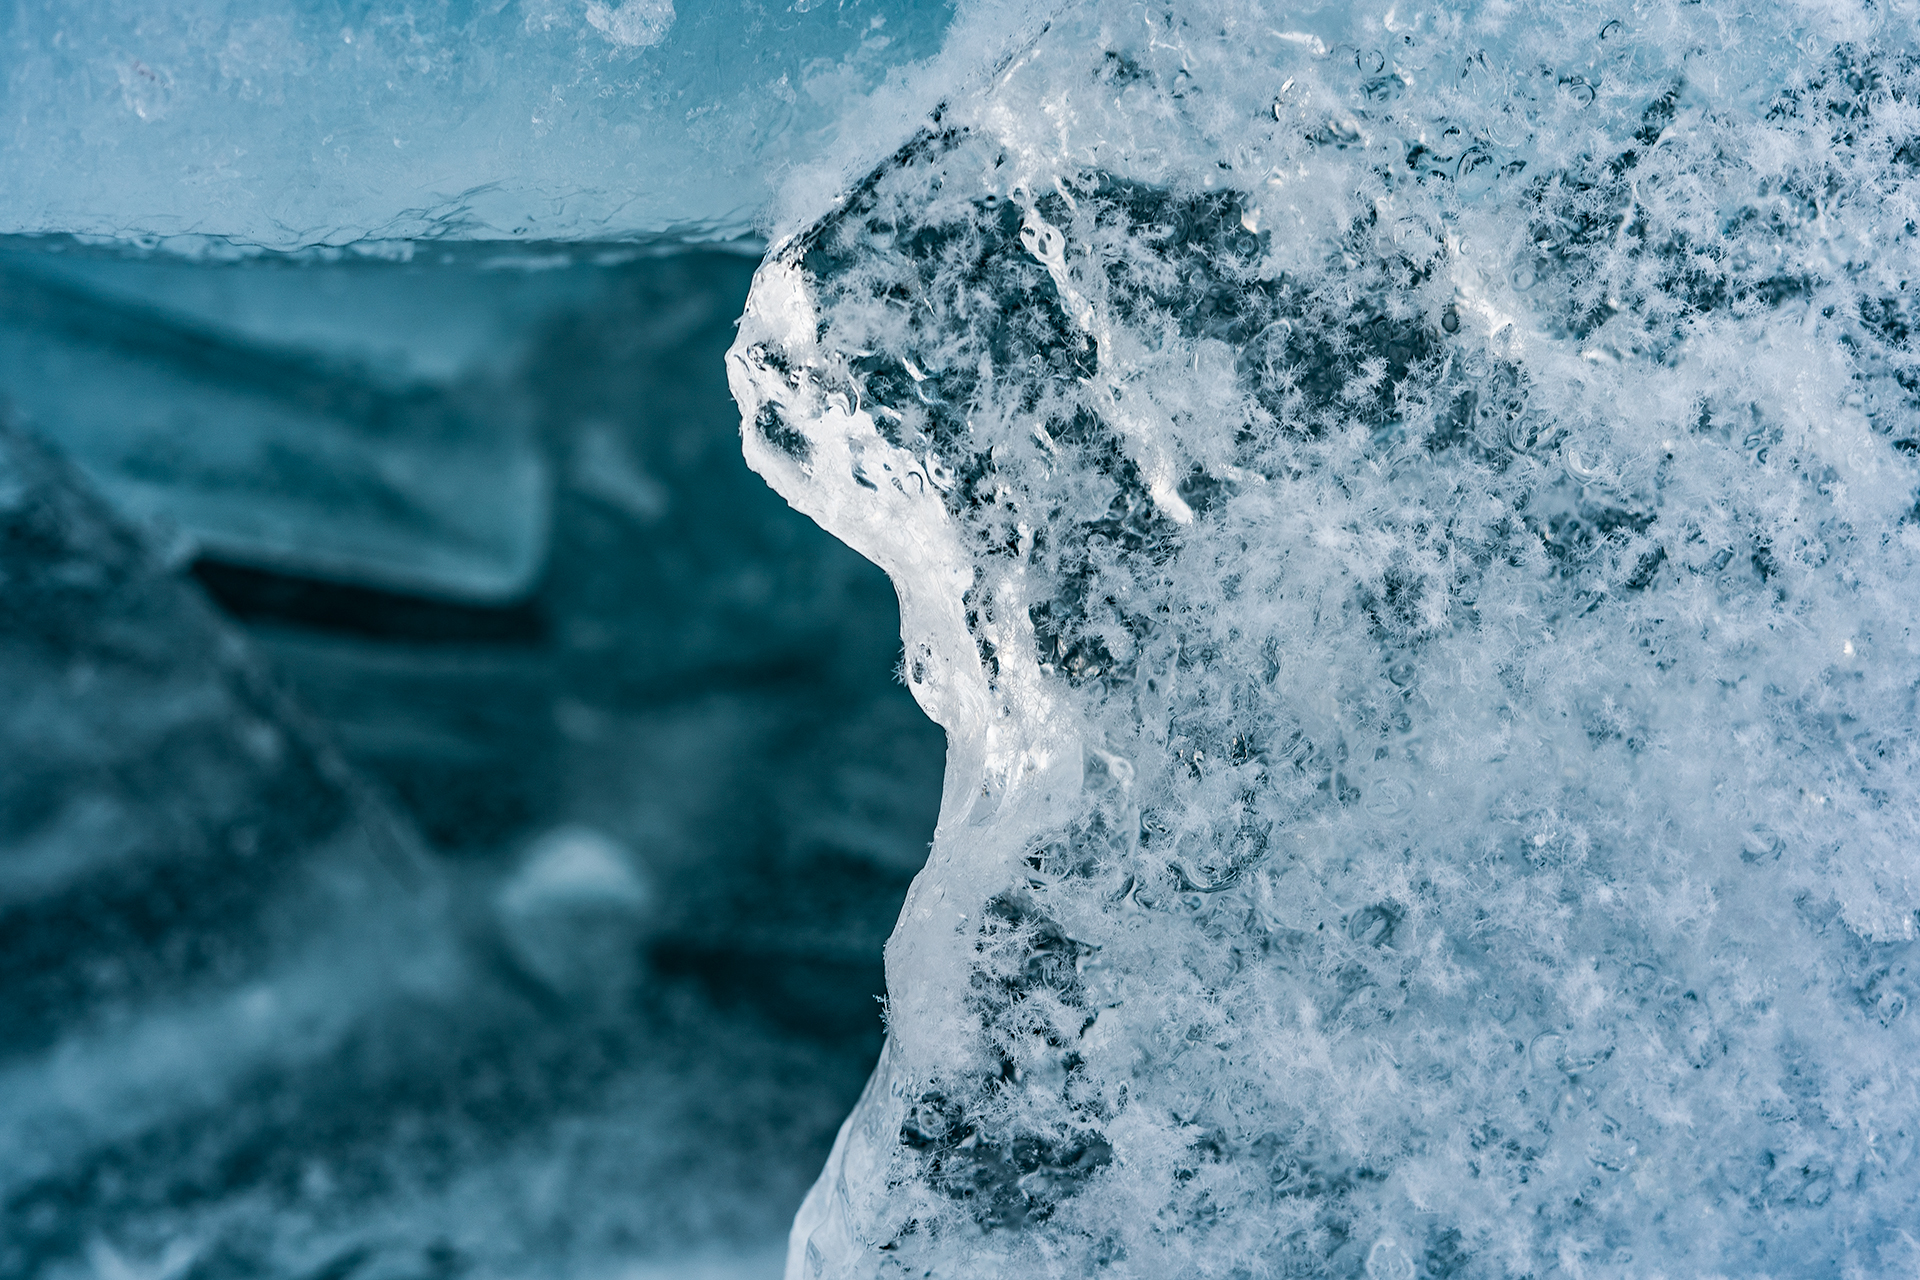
pixel 1407 518
pixel 354 421
pixel 196 892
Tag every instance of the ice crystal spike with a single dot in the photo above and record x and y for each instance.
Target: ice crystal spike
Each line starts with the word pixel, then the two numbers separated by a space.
pixel 1408 522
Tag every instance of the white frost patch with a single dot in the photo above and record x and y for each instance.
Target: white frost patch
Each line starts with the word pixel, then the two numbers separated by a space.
pixel 636 24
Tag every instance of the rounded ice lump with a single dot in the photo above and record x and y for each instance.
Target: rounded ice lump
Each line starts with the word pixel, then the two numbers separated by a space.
pixel 1408 520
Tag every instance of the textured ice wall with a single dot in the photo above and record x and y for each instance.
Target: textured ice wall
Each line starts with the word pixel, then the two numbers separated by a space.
pixel 295 123
pixel 1408 520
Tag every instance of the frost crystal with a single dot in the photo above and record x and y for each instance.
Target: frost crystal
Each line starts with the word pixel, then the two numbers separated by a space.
pixel 1408 521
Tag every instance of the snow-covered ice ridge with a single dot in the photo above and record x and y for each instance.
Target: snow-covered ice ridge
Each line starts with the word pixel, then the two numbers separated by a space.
pixel 1407 518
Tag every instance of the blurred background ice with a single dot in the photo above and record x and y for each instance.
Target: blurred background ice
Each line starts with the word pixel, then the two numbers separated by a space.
pixel 450 809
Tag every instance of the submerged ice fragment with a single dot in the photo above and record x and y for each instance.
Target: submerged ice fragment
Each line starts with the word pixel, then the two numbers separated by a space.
pixel 574 912
pixel 356 422
pixel 194 890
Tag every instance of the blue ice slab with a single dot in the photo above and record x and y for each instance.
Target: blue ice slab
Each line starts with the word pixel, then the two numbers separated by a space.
pixel 297 123
pixel 353 421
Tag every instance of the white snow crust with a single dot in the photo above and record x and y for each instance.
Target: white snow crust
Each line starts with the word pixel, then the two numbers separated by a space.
pixel 1407 517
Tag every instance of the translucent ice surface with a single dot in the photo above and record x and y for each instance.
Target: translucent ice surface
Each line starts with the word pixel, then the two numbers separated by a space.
pixel 1407 518
pixel 295 123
